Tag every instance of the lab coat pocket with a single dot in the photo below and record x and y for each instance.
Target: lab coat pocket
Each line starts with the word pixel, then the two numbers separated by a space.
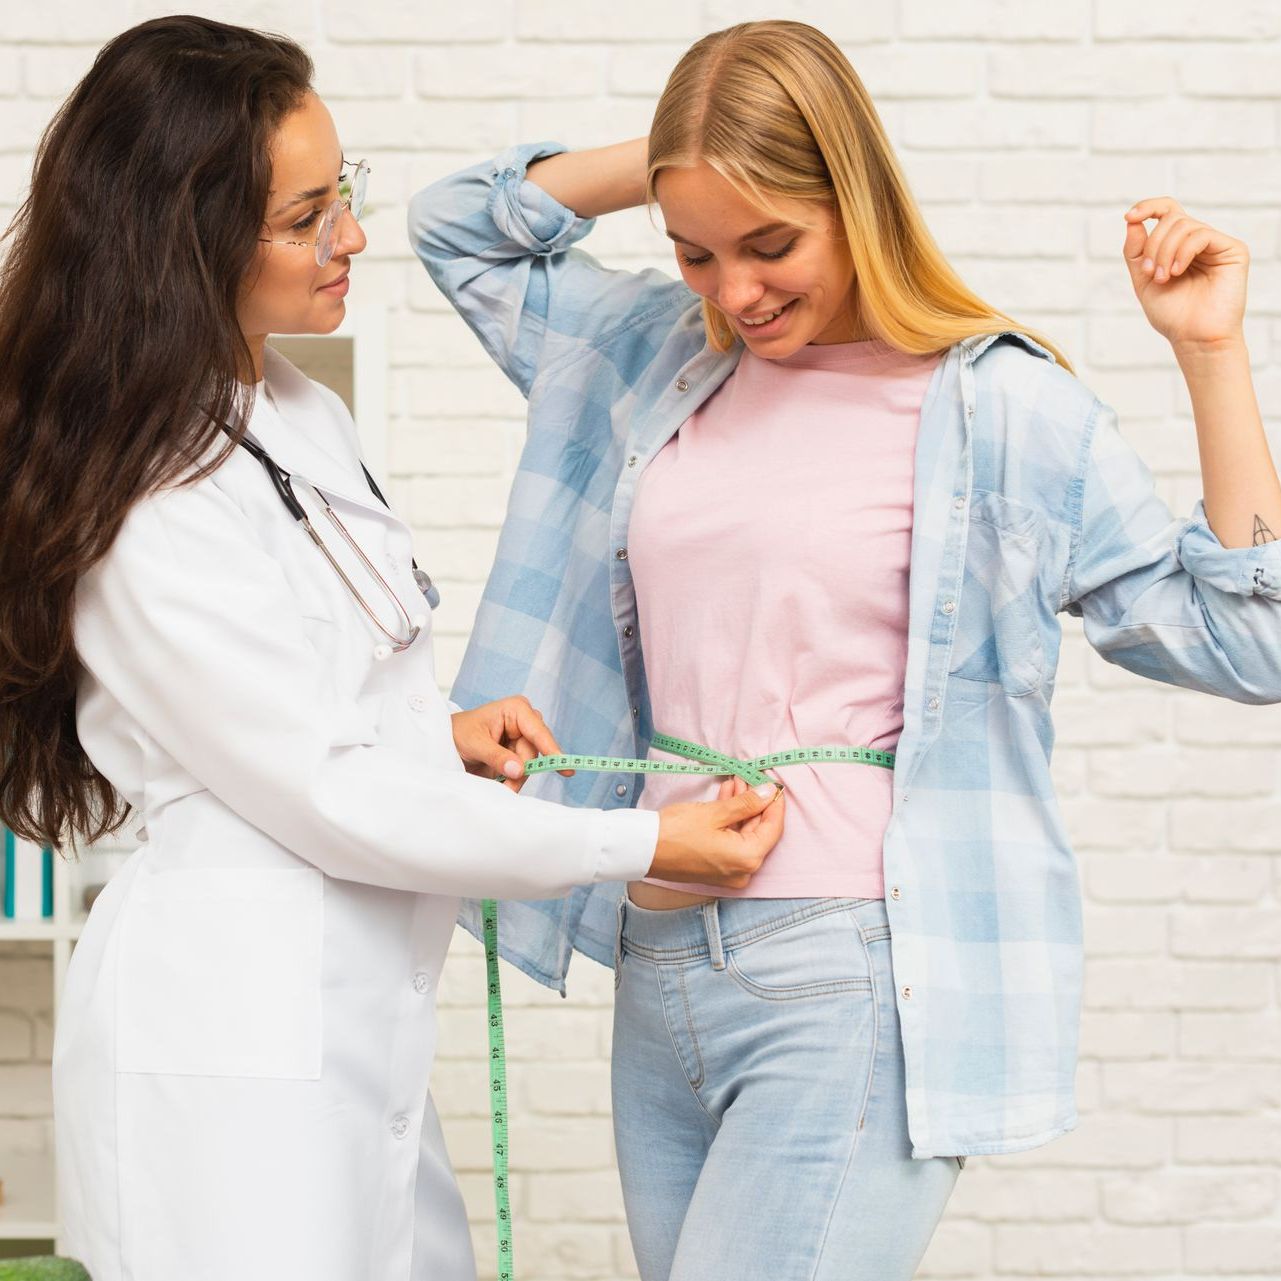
pixel 220 973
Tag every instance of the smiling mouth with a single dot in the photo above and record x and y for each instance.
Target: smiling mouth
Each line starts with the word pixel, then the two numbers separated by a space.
pixel 765 319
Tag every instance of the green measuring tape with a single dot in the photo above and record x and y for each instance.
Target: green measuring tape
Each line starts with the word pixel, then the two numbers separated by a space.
pixel 498 1090
pixel 701 760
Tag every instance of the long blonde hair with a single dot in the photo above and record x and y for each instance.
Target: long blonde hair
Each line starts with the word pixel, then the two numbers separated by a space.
pixel 776 109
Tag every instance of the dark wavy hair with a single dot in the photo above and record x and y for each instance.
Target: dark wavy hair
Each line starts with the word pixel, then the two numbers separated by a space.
pixel 120 353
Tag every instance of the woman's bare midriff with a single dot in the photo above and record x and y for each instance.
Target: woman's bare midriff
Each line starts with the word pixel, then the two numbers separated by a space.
pixel 660 898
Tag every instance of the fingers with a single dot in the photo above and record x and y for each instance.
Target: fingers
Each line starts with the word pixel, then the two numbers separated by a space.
pixel 499 761
pixel 731 787
pixel 1154 207
pixel 765 830
pixel 747 804
pixel 1184 251
pixel 1158 252
pixel 522 721
pixel 760 834
pixel 1170 248
pixel 525 752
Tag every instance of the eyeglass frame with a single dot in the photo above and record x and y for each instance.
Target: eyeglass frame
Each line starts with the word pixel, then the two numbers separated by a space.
pixel 328 227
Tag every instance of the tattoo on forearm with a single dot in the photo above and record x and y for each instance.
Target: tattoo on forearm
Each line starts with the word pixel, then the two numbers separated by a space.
pixel 1262 534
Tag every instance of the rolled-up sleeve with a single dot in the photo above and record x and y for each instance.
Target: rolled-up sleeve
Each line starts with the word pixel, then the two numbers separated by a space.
pixel 1240 571
pixel 501 250
pixel 1161 596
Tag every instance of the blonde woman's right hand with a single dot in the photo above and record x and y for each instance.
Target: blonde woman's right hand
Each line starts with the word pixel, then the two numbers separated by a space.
pixel 720 842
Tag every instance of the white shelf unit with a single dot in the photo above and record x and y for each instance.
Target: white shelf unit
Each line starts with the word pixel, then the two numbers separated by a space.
pixel 353 361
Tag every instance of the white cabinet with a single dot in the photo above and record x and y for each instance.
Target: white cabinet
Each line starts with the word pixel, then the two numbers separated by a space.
pixel 353 361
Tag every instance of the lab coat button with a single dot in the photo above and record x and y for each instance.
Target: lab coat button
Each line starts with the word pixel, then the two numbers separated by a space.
pixel 949 607
pixel 628 631
pixel 621 554
pixel 621 789
pixel 907 993
pixel 894 893
pixel 958 502
pixel 682 384
pixel 417 702
pixel 400 1126
pixel 933 704
pixel 422 982
pixel 632 461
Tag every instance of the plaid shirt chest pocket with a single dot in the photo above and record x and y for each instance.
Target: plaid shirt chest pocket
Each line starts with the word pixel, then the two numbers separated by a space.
pixel 998 632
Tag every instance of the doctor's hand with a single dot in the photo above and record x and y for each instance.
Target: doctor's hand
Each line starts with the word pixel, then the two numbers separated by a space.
pixel 720 842
pixel 1189 278
pixel 496 739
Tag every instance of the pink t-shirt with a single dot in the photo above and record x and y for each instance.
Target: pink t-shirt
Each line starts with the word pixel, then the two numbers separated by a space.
pixel 769 545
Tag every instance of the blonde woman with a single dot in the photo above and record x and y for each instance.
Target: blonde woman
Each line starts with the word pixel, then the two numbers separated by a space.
pixel 819 495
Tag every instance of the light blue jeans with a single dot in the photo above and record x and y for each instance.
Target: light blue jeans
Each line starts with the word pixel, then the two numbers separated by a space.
pixel 758 1095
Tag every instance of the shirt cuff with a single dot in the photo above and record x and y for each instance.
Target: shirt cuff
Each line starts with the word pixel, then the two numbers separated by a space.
pixel 1244 571
pixel 523 211
pixel 626 839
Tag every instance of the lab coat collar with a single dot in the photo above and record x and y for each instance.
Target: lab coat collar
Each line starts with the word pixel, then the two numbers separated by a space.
pixel 306 435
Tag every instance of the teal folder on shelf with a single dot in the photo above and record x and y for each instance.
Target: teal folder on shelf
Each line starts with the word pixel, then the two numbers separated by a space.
pixel 28 879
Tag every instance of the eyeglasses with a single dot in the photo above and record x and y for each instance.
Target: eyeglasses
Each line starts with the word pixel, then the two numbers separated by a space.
pixel 351 195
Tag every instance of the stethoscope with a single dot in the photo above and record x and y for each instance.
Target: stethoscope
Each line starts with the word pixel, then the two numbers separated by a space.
pixel 283 481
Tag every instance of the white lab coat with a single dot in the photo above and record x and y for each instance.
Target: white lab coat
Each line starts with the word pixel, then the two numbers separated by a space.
pixel 247 1032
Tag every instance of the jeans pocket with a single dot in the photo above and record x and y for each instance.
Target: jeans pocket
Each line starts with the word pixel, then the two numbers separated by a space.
pixel 817 956
pixel 618 944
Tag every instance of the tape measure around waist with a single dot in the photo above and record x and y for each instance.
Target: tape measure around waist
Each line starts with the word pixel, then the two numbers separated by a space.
pixel 705 760
pixel 700 760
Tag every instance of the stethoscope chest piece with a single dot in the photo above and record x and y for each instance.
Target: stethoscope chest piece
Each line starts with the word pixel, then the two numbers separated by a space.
pixel 429 589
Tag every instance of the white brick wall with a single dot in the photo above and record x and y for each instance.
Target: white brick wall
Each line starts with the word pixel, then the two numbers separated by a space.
pixel 1026 129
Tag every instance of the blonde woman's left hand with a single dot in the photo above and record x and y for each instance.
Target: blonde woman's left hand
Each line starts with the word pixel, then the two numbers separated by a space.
pixel 1189 277
pixel 496 739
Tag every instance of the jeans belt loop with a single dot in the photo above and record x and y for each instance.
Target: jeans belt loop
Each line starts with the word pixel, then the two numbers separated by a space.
pixel 712 922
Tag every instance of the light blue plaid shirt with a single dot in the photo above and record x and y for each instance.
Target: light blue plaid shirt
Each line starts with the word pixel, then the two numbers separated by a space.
pixel 1028 502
